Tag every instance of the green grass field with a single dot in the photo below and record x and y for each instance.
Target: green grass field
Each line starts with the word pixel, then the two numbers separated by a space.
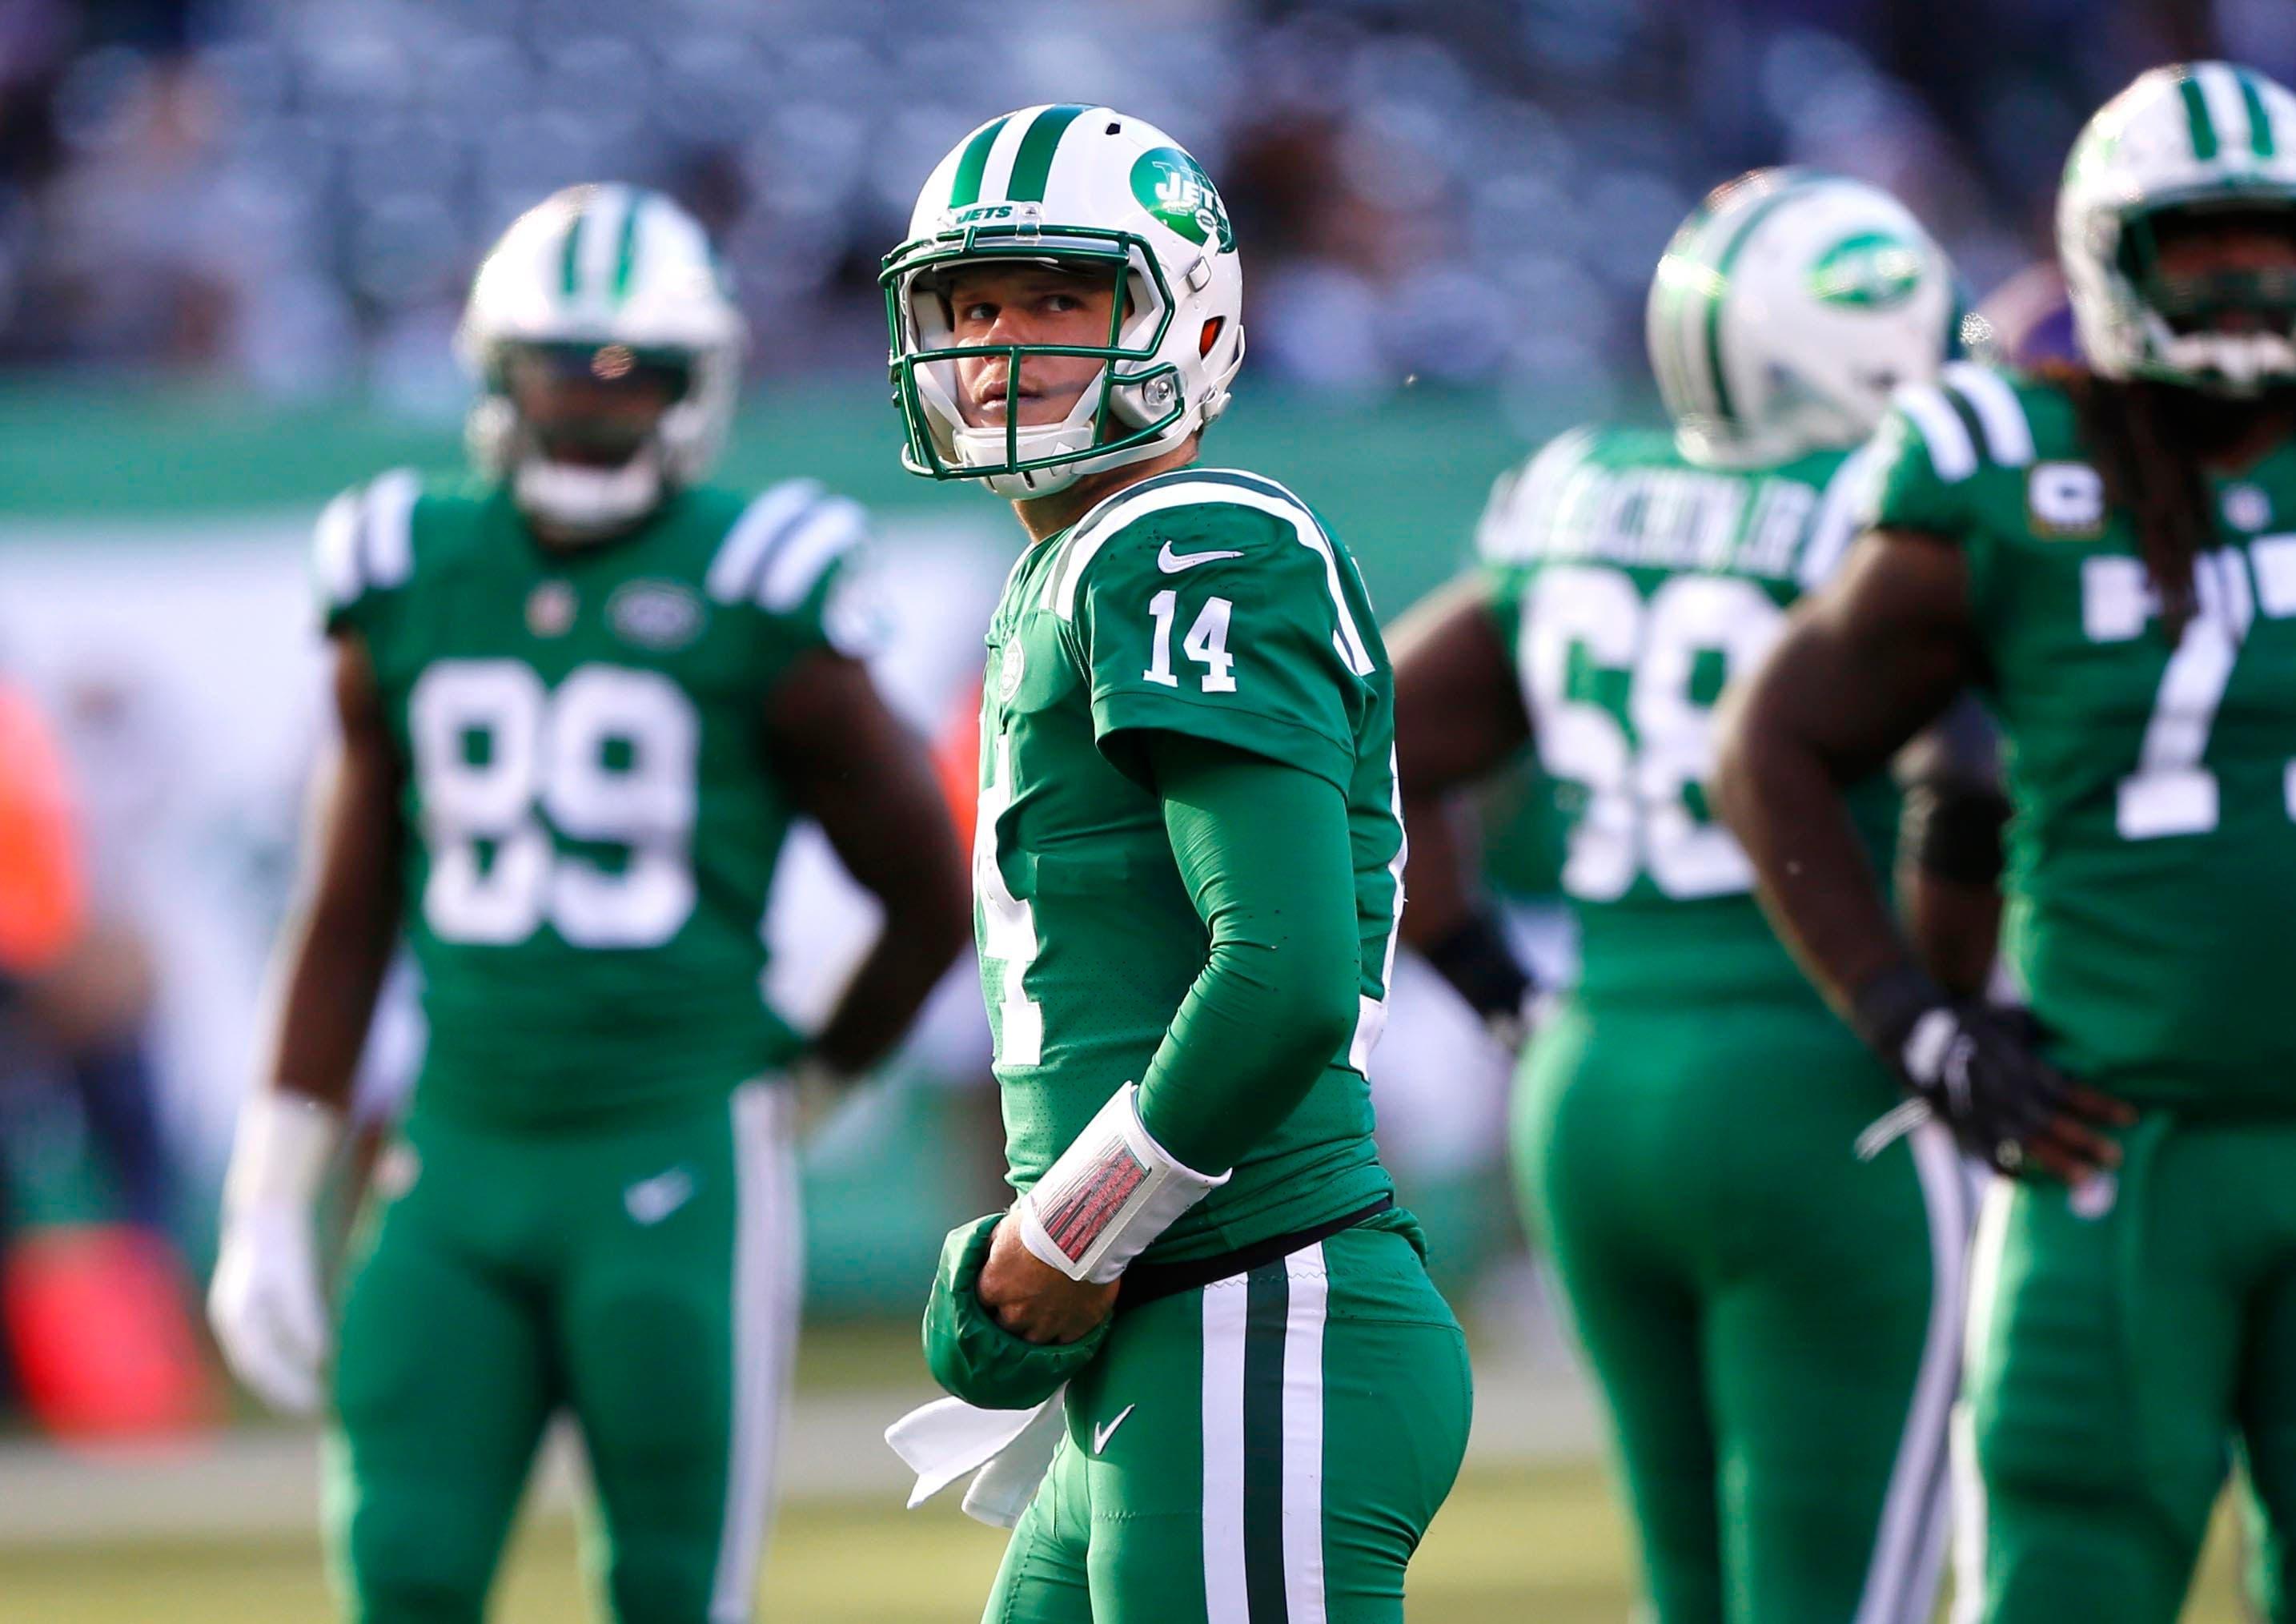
pixel 1513 1544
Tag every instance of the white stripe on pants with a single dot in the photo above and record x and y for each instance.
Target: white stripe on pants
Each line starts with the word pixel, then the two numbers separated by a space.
pixel 768 1280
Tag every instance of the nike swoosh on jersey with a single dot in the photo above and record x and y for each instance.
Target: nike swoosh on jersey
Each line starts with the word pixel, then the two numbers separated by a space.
pixel 1101 1435
pixel 649 1200
pixel 1172 563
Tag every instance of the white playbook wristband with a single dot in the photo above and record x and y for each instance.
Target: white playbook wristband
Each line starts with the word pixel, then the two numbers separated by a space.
pixel 280 1150
pixel 1112 1192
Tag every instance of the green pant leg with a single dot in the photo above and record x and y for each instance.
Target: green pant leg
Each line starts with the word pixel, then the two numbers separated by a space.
pixel 2265 1399
pixel 1831 1350
pixel 1271 1447
pixel 442 1385
pixel 677 1316
pixel 2103 1346
pixel 1773 1323
pixel 1042 1578
pixel 1581 1163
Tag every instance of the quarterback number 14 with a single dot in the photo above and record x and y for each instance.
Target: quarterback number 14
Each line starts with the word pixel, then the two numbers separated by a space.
pixel 1206 643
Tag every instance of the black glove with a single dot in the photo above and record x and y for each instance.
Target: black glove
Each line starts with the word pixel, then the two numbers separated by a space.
pixel 1976 1066
pixel 1477 961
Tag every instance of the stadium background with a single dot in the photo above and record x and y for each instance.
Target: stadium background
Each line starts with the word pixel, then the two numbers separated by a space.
pixel 233 238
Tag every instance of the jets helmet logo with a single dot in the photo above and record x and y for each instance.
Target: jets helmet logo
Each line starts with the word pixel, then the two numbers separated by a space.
pixel 1872 270
pixel 1172 186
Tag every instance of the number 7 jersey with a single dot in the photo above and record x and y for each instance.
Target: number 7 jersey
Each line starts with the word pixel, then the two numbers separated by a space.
pixel 2152 871
pixel 1213 605
pixel 1629 584
pixel 591 821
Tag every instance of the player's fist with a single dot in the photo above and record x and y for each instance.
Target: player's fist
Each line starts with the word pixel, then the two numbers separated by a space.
pixel 264 1304
pixel 1979 1070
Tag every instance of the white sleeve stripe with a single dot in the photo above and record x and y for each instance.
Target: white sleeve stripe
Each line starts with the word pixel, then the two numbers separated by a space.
pixel 734 571
pixel 1348 641
pixel 1061 589
pixel 2008 437
pixel 334 547
pixel 388 530
pixel 1835 523
pixel 826 532
pixel 1951 453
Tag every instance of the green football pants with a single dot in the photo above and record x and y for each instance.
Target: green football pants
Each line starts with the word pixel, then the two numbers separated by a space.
pixel 1773 1323
pixel 1268 1449
pixel 643 1276
pixel 2124 1340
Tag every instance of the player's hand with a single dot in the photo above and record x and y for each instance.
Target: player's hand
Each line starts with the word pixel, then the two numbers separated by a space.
pixel 1980 1069
pixel 264 1303
pixel 1033 1300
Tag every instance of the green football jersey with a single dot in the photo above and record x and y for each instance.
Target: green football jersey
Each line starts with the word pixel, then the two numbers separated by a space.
pixel 592 823
pixel 1205 602
pixel 2152 871
pixel 1630 584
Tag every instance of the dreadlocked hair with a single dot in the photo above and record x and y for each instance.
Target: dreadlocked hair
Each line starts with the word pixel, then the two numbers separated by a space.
pixel 2152 469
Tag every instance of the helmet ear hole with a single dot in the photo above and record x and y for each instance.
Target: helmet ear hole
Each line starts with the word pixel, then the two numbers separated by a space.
pixel 1210 335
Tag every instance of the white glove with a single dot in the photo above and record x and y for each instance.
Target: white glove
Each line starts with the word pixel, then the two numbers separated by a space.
pixel 264 1303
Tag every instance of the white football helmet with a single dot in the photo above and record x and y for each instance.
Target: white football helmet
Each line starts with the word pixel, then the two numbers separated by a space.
pixel 1787 307
pixel 611 282
pixel 1083 188
pixel 2191 137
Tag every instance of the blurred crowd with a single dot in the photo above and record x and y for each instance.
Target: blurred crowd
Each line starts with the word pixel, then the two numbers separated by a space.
pixel 289 195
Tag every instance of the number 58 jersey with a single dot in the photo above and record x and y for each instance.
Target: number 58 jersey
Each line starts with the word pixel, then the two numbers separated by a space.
pixel 590 819
pixel 2153 854
pixel 1630 585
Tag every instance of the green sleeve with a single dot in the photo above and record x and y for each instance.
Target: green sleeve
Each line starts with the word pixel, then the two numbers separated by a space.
pixel 1254 645
pixel 1906 489
pixel 793 561
pixel 363 552
pixel 1263 849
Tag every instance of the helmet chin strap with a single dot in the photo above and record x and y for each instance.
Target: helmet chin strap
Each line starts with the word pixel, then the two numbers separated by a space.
pixel 588 503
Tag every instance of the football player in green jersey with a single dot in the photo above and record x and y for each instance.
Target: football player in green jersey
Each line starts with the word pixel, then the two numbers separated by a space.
pixel 581 703
pixel 2107 554
pixel 1774 1325
pixel 1187 873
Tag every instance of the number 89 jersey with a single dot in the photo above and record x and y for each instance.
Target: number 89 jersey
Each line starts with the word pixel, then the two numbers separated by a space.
pixel 592 825
pixel 1630 585
pixel 2153 856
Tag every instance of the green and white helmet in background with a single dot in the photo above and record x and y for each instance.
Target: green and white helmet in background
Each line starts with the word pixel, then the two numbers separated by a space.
pixel 1084 188
pixel 612 286
pixel 1787 307
pixel 2190 138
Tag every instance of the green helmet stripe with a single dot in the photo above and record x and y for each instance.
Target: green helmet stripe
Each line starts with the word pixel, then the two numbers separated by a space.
pixel 2259 122
pixel 1034 165
pixel 1720 290
pixel 971 167
pixel 626 251
pixel 570 264
pixel 2196 114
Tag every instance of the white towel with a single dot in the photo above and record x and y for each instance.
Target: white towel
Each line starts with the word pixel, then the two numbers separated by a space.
pixel 1011 1449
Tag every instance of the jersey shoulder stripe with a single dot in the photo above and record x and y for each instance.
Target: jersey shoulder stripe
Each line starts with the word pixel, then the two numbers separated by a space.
pixel 824 534
pixel 1210 486
pixel 1835 523
pixel 1511 529
pixel 365 541
pixel 1952 452
pixel 736 573
pixel 2000 415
